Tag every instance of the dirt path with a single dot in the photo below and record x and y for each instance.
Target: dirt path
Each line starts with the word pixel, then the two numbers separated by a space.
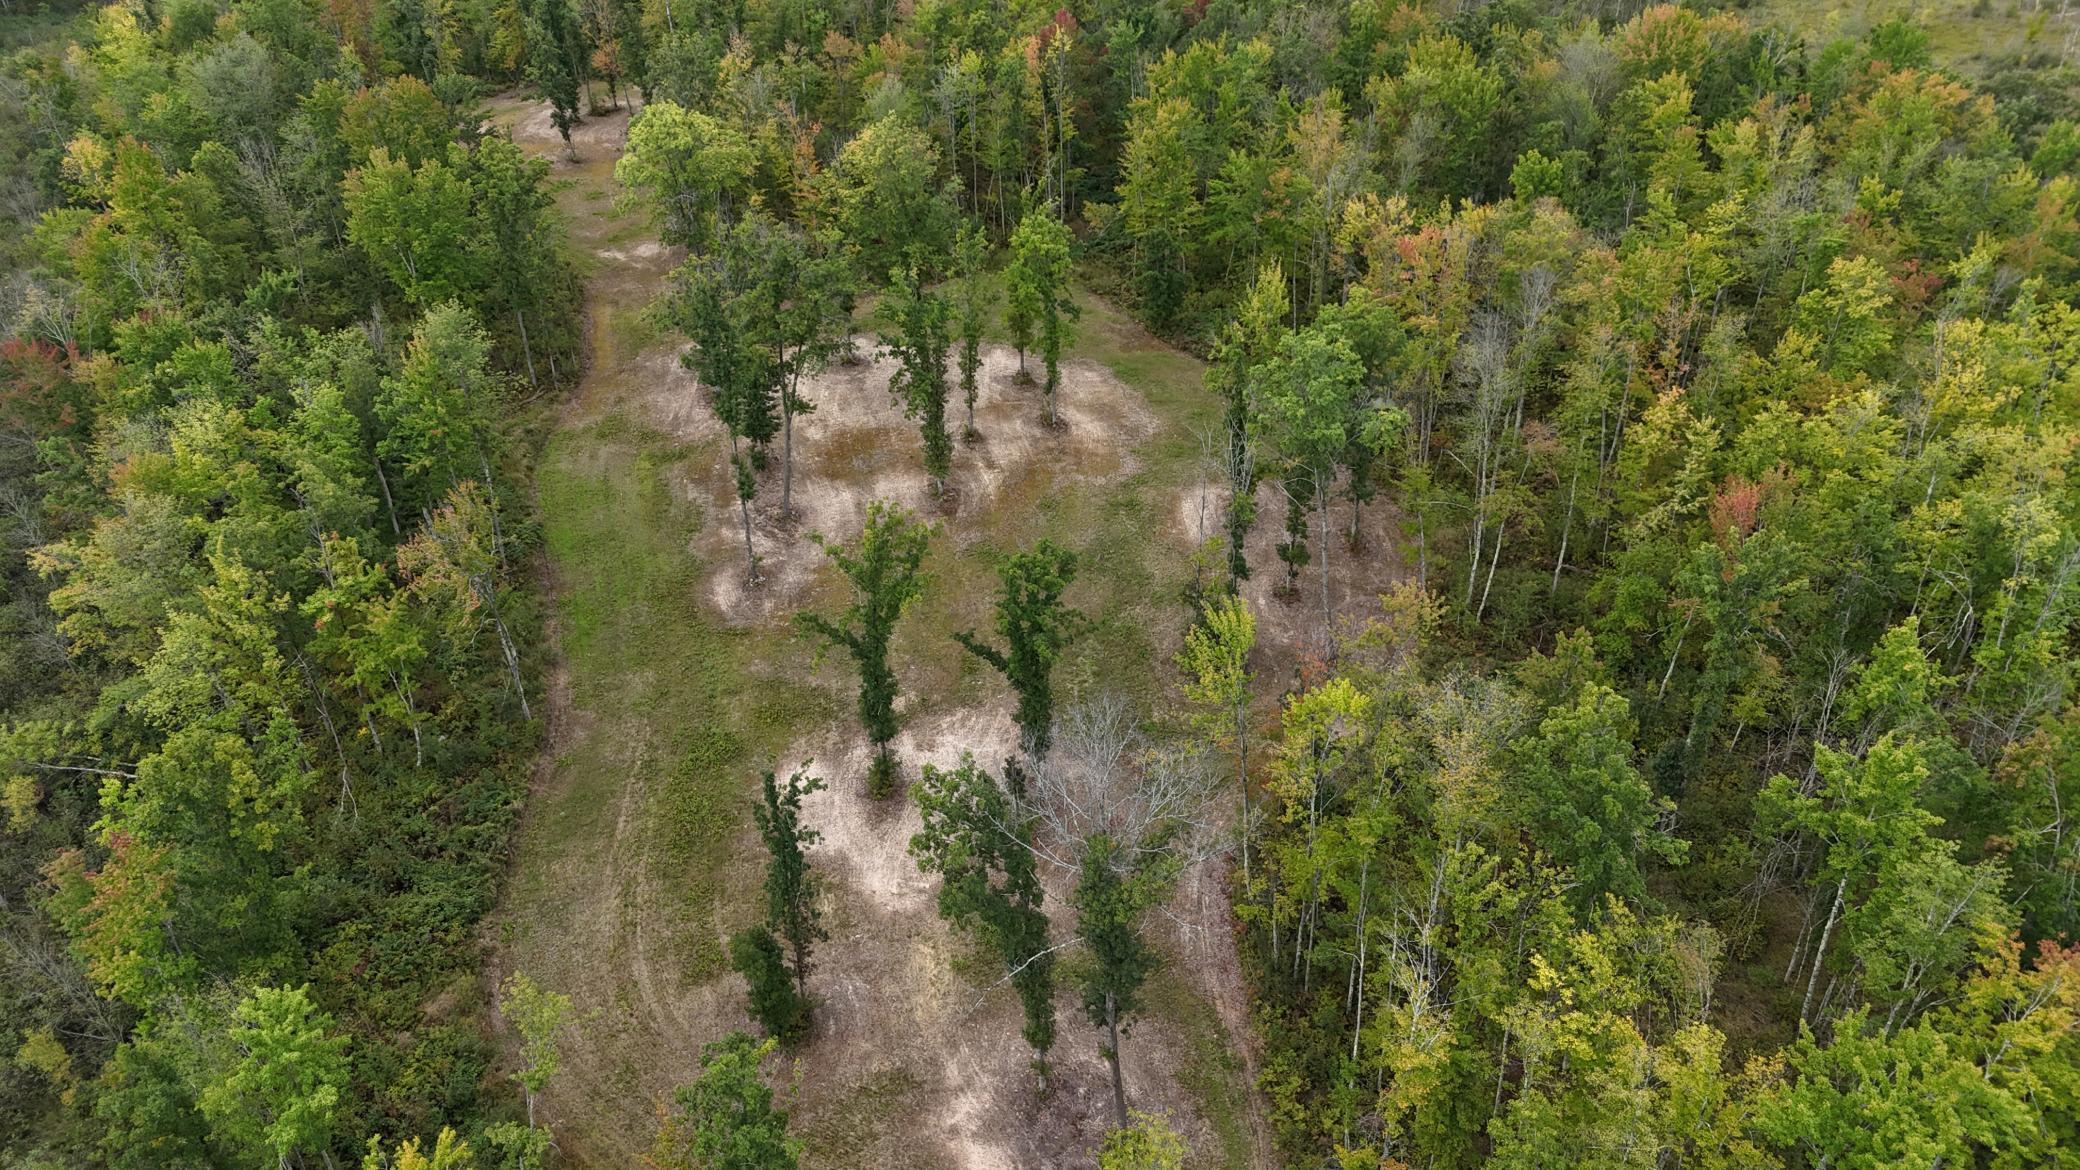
pixel 673 685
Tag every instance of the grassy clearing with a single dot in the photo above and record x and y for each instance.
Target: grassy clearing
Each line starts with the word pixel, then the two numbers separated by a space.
pixel 1961 33
pixel 636 858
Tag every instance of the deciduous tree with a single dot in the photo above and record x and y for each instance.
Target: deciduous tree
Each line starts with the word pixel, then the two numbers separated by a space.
pixel 1040 296
pixel 974 297
pixel 886 576
pixel 918 340
pixel 725 1119
pixel 285 1091
pixel 1035 626
pixel 979 840
pixel 691 169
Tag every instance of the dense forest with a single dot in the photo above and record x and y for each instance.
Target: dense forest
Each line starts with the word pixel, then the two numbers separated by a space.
pixel 1695 798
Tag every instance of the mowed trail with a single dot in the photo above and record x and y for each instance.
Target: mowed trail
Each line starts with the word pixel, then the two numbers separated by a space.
pixel 585 912
pixel 673 685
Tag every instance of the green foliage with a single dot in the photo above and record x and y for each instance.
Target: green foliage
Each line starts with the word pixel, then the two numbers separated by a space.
pixel 1158 203
pixel 1586 804
pixel 1148 1144
pixel 537 1014
pixel 1035 627
pixel 555 62
pixel 1746 353
pixel 1215 662
pixel 716 303
pixel 886 576
pixel 725 1119
pixel 974 297
pixel 775 999
pixel 1537 177
pixel 415 224
pixel 884 195
pixel 1244 346
pixel 1112 893
pixel 438 412
pixel 1301 415
pixel 259 747
pixel 1040 301
pixel 979 840
pixel 791 885
pixel 282 1096
pixel 918 340
pixel 690 168
pixel 449 1153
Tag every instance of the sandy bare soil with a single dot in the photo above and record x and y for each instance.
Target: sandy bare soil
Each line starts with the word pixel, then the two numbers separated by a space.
pixel 1293 629
pixel 894 1006
pixel 915 1059
pixel 857 447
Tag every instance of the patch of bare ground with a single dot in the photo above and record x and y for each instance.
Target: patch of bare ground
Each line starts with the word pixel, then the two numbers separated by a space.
pixel 533 125
pixel 903 998
pixel 665 661
pixel 1294 629
pixel 857 447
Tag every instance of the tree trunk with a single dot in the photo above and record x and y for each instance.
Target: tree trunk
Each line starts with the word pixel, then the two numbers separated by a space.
pixel 498 534
pixel 1242 779
pixel 1501 530
pixel 1328 618
pixel 526 348
pixel 389 505
pixel 1820 954
pixel 750 558
pixel 512 654
pixel 1358 1024
pixel 1119 1084
pixel 786 459
pixel 1566 530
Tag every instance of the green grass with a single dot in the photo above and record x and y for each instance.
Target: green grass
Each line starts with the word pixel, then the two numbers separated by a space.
pixel 1961 33
pixel 642 653
pixel 1212 1072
